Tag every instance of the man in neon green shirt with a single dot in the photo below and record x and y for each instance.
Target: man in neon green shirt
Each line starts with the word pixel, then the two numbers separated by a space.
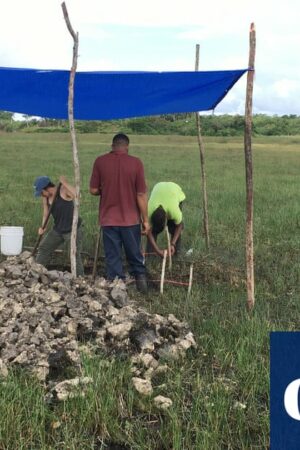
pixel 165 209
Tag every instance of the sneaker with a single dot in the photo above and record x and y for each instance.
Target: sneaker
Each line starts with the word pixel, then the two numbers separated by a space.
pixel 141 283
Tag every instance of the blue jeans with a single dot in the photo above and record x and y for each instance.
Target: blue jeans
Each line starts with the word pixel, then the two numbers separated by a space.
pixel 113 240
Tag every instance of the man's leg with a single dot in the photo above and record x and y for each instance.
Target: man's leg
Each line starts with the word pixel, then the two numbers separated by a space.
pixel 50 242
pixel 171 228
pixel 112 243
pixel 67 238
pixel 131 238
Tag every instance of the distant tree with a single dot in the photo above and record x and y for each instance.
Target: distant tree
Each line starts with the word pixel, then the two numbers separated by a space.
pixel 5 115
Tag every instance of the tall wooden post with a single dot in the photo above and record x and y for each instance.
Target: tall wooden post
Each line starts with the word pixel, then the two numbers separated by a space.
pixel 249 171
pixel 202 163
pixel 74 141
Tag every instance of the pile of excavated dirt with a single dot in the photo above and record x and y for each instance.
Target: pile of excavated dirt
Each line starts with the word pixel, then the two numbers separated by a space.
pixel 46 315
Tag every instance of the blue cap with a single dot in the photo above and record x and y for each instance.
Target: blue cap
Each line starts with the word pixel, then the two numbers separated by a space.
pixel 40 184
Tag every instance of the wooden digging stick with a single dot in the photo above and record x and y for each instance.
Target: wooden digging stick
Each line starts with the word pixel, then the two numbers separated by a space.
pixel 46 221
pixel 96 256
pixel 163 268
pixel 169 249
pixel 190 280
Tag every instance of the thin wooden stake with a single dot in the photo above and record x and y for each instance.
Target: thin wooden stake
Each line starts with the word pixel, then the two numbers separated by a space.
pixel 163 268
pixel 74 141
pixel 169 248
pixel 249 171
pixel 96 256
pixel 190 280
pixel 143 248
pixel 202 163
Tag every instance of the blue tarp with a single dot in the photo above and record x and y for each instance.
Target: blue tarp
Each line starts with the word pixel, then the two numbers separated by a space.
pixel 112 95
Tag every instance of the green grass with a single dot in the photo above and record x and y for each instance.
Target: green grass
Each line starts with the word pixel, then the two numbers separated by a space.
pixel 231 363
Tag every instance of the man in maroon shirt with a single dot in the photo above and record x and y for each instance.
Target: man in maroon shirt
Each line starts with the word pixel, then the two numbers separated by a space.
pixel 119 180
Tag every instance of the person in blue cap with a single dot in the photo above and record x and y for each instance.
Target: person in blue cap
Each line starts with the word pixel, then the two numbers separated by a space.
pixel 62 197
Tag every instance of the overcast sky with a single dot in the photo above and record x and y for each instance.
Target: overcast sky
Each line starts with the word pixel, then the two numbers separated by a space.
pixel 161 35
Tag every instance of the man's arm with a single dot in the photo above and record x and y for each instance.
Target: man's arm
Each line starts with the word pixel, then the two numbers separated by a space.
pixel 95 180
pixel 42 230
pixel 176 235
pixel 154 244
pixel 94 191
pixel 142 201
pixel 160 252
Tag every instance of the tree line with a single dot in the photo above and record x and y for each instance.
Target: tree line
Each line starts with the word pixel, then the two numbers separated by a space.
pixel 180 124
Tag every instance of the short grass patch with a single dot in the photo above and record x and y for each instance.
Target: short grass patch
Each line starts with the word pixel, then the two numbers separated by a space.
pixel 220 392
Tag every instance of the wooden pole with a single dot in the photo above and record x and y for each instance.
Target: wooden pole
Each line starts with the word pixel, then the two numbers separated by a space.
pixel 73 138
pixel 249 170
pixel 202 163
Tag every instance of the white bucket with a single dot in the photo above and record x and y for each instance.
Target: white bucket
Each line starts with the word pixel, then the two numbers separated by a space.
pixel 11 240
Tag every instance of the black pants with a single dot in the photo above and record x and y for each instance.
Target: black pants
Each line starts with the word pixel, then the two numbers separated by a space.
pixel 113 240
pixel 52 240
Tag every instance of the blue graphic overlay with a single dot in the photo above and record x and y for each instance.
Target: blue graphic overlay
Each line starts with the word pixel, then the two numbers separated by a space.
pixel 285 388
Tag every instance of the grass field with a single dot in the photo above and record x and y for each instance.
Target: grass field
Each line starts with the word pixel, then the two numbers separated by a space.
pixel 220 392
